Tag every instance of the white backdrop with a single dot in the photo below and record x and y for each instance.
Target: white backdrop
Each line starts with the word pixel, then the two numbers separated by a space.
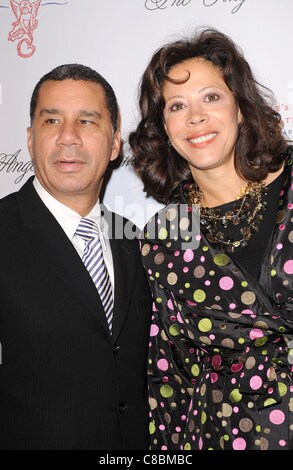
pixel 117 38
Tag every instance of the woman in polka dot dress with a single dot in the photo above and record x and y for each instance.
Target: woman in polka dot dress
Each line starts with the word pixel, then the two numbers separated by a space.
pixel 219 254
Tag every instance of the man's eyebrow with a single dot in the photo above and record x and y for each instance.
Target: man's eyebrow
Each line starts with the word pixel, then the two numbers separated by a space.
pixel 82 113
pixel 45 111
pixel 94 114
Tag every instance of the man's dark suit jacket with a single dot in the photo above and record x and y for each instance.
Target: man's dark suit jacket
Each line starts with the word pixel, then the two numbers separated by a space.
pixel 65 383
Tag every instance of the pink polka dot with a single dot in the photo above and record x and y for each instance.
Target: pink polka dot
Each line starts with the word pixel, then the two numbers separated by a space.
pixel 172 318
pixel 290 205
pixel 188 256
pixel 288 266
pixel 207 283
pixel 279 246
pixel 183 418
pixel 235 431
pixel 232 306
pixel 202 259
pixel 226 283
pixel 179 318
pixel 198 237
pixel 282 443
pixel 239 444
pixel 177 429
pixel 247 312
pixel 164 448
pixel 185 269
pixel 163 364
pixel 237 367
pixel 161 427
pixel 170 265
pixel 200 443
pixel 261 367
pixel 214 377
pixel 155 247
pixel 177 253
pixel 212 337
pixel 236 409
pixel 170 304
pixel 255 382
pixel 256 333
pixel 154 330
pixel 282 227
pixel 277 417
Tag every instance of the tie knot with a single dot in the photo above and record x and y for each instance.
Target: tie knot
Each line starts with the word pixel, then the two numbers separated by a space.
pixel 87 229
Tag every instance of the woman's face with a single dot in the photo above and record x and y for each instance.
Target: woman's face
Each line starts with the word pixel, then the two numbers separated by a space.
pixel 201 116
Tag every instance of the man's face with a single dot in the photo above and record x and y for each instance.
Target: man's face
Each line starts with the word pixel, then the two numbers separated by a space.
pixel 71 140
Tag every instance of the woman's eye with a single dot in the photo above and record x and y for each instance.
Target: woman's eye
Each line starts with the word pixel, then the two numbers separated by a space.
pixel 176 106
pixel 212 97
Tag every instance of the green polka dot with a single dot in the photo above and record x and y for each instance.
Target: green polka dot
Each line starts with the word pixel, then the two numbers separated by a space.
pixel 174 330
pixel 244 283
pixel 282 329
pixel 163 234
pixel 226 437
pixel 241 340
pixel 187 285
pixel 260 341
pixel 187 446
pixel 195 370
pixel 157 275
pixel 273 272
pixel 187 360
pixel 205 248
pixel 199 295
pixel 166 391
pixel 152 427
pixel 258 428
pixel 203 417
pixel 205 325
pixel 269 402
pixel 264 352
pixel 282 389
pixel 235 396
pixel 159 300
pixel 221 259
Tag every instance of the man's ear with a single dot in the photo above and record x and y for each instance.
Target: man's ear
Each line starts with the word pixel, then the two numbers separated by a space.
pixel 116 146
pixel 30 141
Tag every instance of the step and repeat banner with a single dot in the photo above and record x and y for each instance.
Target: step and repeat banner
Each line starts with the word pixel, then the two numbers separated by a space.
pixel 117 38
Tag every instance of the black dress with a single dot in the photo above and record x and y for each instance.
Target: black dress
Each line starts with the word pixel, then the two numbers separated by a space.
pixel 220 373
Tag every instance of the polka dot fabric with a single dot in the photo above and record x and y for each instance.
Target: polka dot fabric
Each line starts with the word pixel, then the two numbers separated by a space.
pixel 219 366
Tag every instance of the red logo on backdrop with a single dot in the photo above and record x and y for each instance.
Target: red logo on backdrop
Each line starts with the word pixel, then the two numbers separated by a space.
pixel 22 30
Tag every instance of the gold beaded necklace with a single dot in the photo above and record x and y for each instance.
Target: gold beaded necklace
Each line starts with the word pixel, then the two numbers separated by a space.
pixel 215 221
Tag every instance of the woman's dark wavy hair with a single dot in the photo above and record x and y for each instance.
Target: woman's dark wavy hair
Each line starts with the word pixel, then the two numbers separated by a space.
pixel 260 144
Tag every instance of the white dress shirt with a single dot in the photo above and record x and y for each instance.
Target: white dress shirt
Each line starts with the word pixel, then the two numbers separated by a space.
pixel 69 220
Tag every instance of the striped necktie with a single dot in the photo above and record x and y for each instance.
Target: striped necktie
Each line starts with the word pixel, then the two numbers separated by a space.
pixel 94 262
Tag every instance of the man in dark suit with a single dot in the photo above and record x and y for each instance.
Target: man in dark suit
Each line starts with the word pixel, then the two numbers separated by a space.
pixel 69 379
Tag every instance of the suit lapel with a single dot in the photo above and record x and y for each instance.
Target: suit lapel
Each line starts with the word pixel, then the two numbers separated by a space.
pixel 124 269
pixel 48 237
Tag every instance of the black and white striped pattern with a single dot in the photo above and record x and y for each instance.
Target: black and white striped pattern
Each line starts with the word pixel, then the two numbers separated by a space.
pixel 95 264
